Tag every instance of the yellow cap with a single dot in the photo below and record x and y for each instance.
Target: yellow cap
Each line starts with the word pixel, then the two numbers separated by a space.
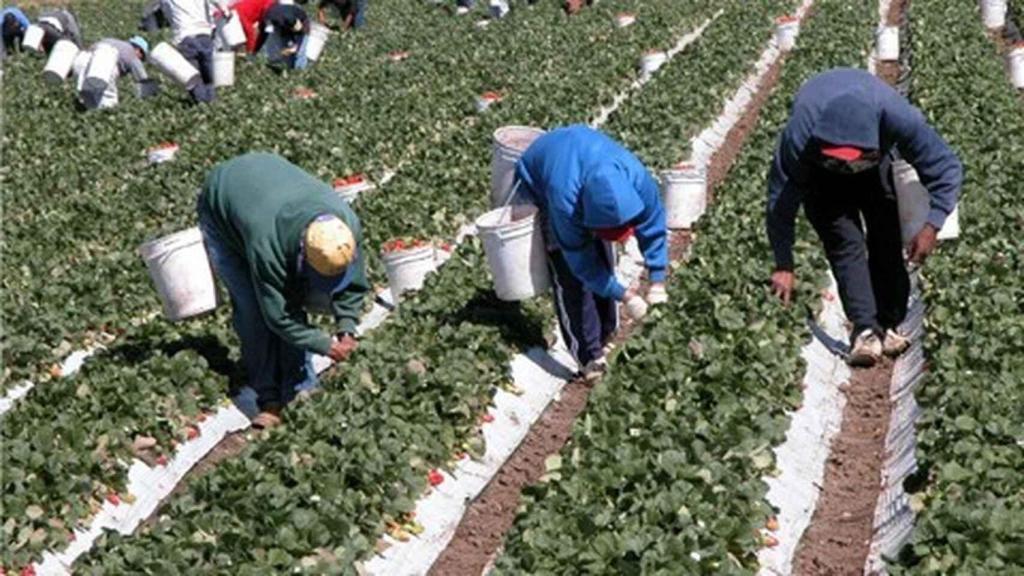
pixel 330 246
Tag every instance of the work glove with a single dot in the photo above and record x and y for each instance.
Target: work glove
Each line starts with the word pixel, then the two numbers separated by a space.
pixel 635 306
pixel 657 294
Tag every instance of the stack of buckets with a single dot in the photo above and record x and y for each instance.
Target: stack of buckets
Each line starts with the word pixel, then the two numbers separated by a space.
pixel 511 234
pixel 888 43
pixel 181 272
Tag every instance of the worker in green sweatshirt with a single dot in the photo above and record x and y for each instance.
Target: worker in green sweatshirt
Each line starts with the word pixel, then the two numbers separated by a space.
pixel 284 244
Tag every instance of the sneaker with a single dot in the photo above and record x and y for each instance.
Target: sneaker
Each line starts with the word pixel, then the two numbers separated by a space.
pixel 866 350
pixel 594 370
pixel 894 343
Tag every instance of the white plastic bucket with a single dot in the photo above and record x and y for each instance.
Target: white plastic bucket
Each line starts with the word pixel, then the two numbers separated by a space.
pixel 174 65
pixel 102 69
pixel 231 33
pixel 508 146
pixel 486 100
pixel 684 193
pixel 651 61
pixel 62 59
pixel 318 35
pixel 1015 60
pixel 162 153
pixel 888 43
pixel 624 19
pixel 407 269
pixel 993 13
pixel 223 69
pixel 913 203
pixel 516 255
pixel 33 39
pixel 786 31
pixel 181 272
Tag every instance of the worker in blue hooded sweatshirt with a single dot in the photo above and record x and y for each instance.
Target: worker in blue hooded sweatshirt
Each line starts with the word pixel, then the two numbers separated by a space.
pixel 592 192
pixel 835 157
pixel 15 23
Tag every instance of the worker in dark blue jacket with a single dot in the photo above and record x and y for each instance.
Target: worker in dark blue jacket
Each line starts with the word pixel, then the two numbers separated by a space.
pixel 835 157
pixel 593 192
pixel 14 25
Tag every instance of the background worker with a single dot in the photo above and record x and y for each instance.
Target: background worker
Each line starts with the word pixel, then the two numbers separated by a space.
pixel 251 13
pixel 130 58
pixel 283 243
pixel 14 23
pixel 283 30
pixel 192 26
pixel 592 192
pixel 834 158
pixel 59 24
pixel 350 13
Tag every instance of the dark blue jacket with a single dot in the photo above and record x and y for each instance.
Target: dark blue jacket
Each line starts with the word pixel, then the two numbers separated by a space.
pixel 848 107
pixel 583 180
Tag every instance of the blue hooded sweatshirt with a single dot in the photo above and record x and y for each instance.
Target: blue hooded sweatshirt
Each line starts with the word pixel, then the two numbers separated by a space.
pixel 849 107
pixel 583 180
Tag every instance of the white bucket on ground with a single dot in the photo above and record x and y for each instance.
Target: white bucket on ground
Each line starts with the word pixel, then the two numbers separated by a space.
pixel 174 65
pixel 888 43
pixel 515 249
pixel 993 13
pixel 786 30
pixel 162 153
pixel 486 100
pixel 223 69
pixel 913 203
pixel 102 69
pixel 33 39
pixel 231 33
pixel 181 272
pixel 1015 60
pixel 318 35
pixel 407 269
pixel 349 189
pixel 62 59
pixel 684 193
pixel 651 61
pixel 508 146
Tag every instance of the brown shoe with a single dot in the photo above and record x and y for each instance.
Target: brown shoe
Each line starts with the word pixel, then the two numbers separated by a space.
pixel 269 418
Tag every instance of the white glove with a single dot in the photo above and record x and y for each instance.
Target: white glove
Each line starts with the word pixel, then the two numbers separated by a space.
pixel 635 307
pixel 657 294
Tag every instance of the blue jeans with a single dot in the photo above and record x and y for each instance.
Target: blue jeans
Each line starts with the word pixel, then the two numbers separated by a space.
pixel 275 369
pixel 587 320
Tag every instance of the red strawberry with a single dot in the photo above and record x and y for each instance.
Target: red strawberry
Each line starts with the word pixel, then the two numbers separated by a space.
pixel 28 571
pixel 435 478
pixel 487 418
pixel 161 460
pixel 192 432
pixel 114 499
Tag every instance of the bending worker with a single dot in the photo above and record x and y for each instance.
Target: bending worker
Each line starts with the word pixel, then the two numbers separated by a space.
pixel 192 25
pixel 102 92
pixel 59 24
pixel 592 192
pixel 283 243
pixel 834 157
pixel 15 23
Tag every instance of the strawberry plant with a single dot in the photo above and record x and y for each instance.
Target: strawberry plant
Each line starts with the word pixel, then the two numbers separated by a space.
pixel 968 491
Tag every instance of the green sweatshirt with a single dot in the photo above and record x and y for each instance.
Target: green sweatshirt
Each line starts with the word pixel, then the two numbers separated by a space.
pixel 262 204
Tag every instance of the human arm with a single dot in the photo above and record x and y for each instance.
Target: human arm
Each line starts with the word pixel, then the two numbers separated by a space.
pixel 286 319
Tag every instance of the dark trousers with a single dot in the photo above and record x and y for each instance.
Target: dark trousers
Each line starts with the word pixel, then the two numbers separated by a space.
pixel 587 320
pixel 869 268
pixel 198 50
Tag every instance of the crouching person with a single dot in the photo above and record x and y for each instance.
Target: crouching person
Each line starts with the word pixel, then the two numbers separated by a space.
pixel 283 243
pixel 592 193
pixel 101 92
pixel 192 26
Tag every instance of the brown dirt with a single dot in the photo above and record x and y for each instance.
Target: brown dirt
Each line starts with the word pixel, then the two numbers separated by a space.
pixel 480 534
pixel 837 540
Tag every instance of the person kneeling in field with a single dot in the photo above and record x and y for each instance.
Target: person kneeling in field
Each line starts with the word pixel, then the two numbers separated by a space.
pixel 835 158
pixel 102 92
pixel 283 243
pixel 592 193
